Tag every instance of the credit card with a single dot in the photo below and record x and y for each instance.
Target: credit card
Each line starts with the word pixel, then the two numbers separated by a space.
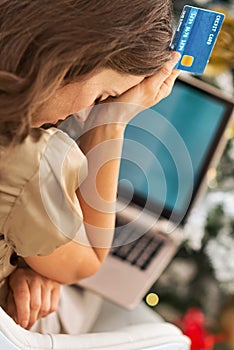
pixel 195 37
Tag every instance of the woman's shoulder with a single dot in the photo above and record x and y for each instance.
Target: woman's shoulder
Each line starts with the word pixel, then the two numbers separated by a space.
pixel 38 193
pixel 20 163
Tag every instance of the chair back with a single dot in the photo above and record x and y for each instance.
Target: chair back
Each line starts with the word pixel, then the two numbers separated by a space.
pixel 147 336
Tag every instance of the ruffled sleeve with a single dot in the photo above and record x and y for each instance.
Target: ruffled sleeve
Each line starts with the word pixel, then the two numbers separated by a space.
pixel 44 211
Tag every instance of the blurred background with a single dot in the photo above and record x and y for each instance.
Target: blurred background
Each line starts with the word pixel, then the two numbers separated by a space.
pixel 196 291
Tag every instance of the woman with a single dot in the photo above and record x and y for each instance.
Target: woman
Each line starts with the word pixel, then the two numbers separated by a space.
pixel 57 59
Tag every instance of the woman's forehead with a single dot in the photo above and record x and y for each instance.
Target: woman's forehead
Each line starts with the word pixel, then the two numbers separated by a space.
pixel 110 79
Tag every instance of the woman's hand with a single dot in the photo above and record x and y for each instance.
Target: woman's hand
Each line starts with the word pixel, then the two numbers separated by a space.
pixel 154 88
pixel 147 93
pixel 31 296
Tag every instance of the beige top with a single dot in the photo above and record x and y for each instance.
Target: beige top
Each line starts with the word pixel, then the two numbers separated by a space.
pixel 39 209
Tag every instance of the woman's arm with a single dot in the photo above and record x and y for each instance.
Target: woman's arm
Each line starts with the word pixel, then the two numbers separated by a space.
pixel 74 261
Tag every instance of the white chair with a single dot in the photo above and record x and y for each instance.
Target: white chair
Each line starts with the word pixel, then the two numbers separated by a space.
pixel 148 336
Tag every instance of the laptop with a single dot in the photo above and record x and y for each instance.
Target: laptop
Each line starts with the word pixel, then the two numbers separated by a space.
pixel 167 152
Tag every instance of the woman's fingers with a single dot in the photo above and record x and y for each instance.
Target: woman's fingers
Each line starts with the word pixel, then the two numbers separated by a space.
pixel 165 72
pixel 154 88
pixel 167 85
pixel 44 298
pixel 159 85
pixel 35 301
pixel 55 294
pixel 21 294
pixel 31 296
pixel 146 94
pixel 11 307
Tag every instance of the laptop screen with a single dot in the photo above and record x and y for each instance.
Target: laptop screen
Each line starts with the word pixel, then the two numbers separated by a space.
pixel 168 148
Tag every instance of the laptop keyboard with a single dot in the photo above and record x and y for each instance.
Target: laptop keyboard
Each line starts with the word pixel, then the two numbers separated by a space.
pixel 141 251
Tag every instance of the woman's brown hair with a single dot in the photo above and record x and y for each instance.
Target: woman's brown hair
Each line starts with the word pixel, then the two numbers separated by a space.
pixel 45 44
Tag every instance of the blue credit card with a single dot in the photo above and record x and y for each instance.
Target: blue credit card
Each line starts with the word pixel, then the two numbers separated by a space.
pixel 195 38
